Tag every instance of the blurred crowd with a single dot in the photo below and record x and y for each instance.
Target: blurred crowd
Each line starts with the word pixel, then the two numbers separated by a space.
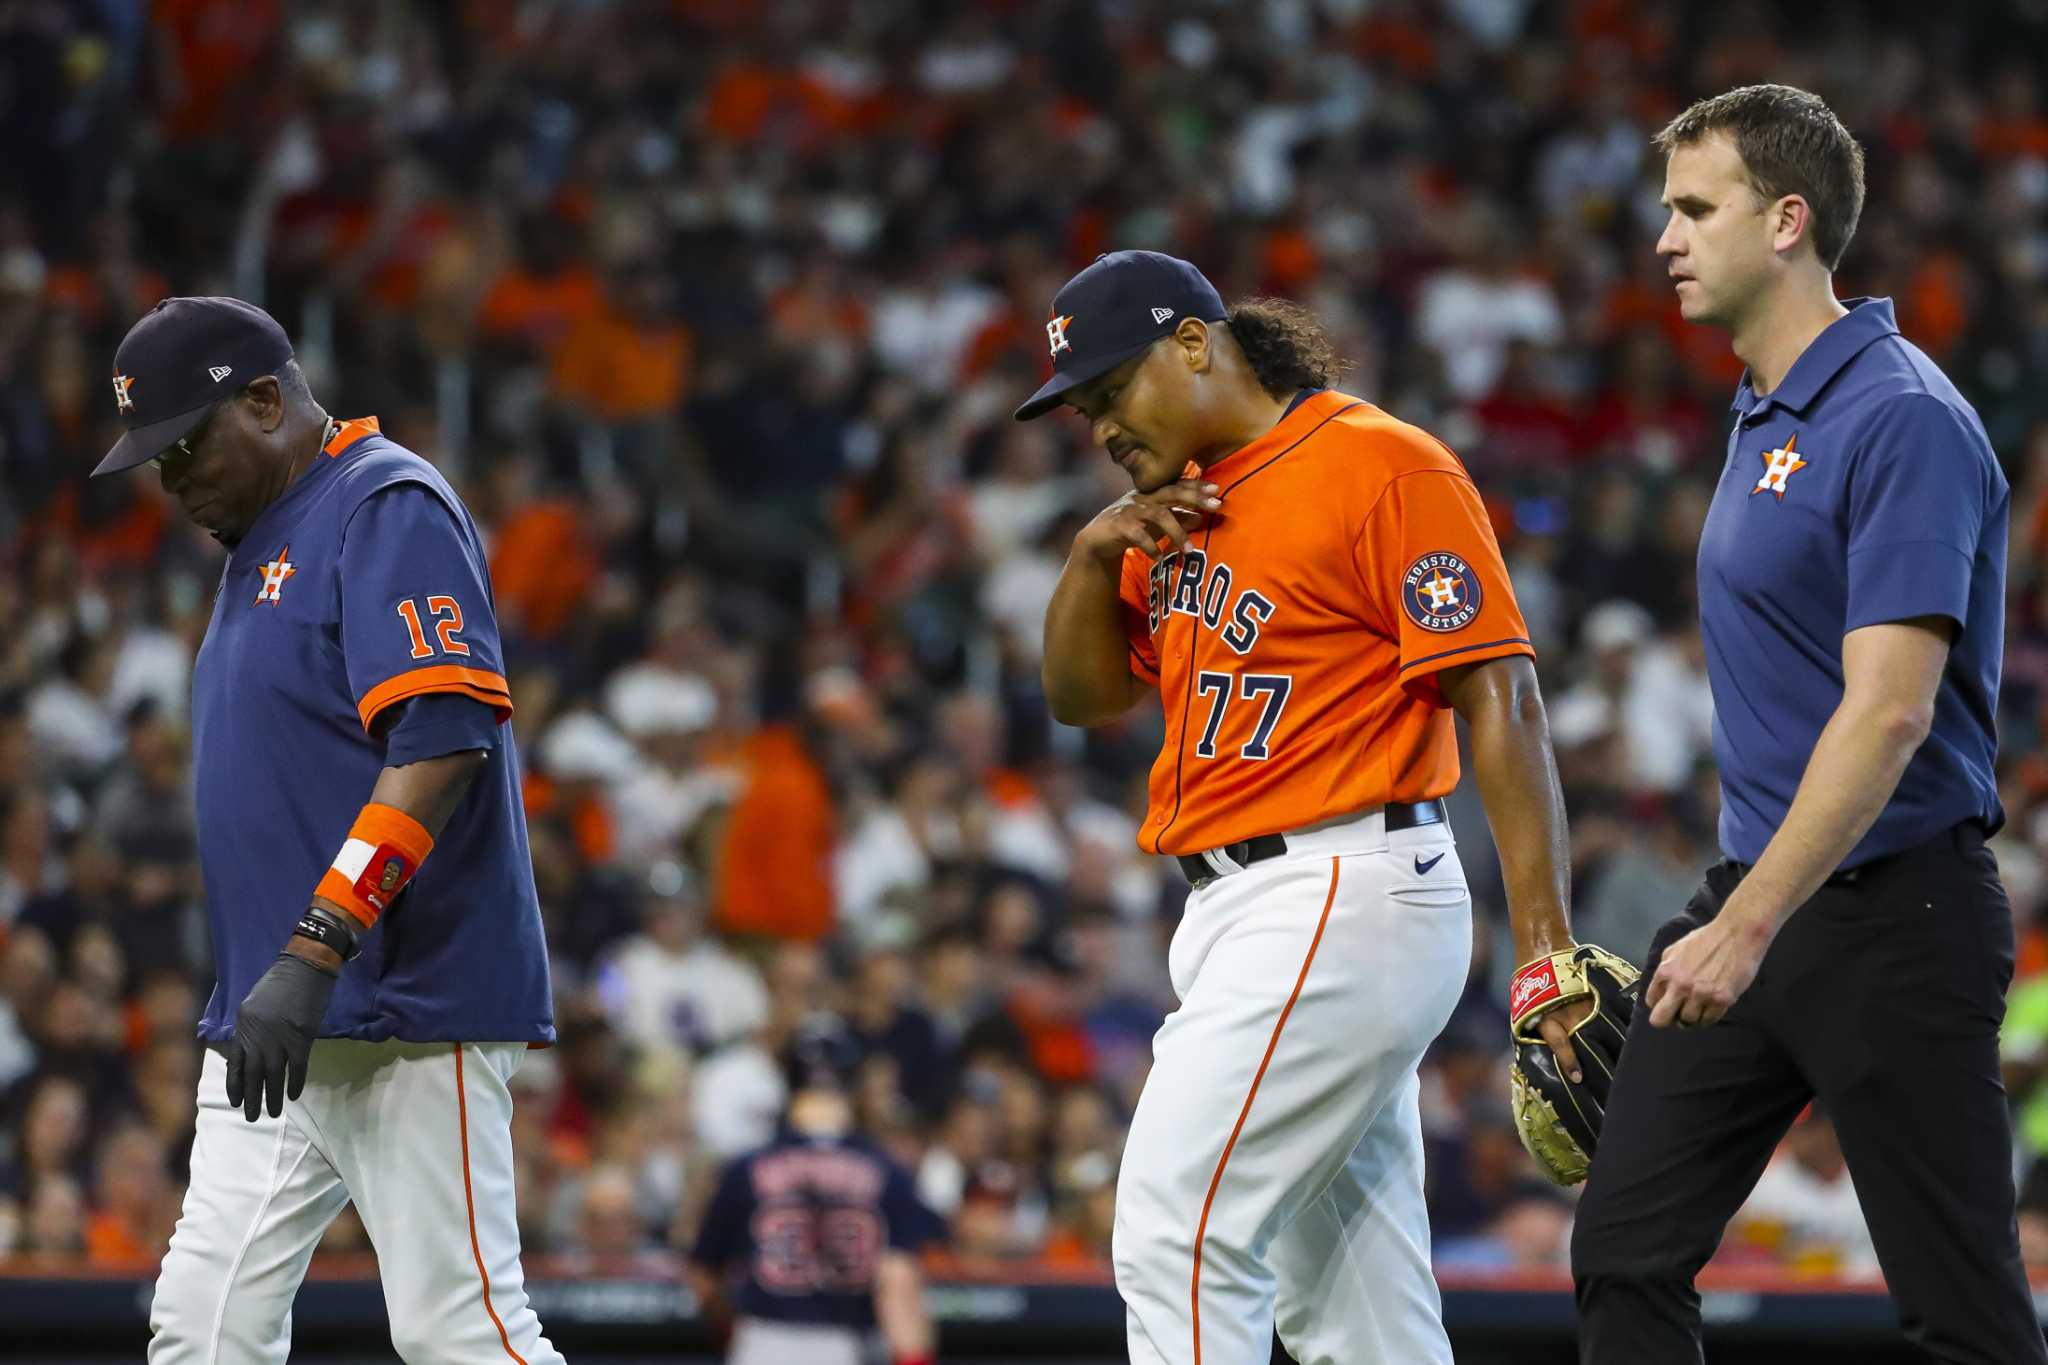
pixel 716 314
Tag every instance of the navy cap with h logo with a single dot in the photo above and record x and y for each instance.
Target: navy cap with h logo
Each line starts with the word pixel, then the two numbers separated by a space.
pixel 1112 311
pixel 178 360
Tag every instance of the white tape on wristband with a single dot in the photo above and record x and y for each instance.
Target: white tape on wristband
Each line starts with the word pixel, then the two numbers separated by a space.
pixel 354 858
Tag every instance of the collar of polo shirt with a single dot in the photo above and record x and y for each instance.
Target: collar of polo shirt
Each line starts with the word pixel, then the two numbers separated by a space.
pixel 1839 343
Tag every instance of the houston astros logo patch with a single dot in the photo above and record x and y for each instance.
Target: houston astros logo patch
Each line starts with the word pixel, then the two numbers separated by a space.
pixel 1779 466
pixel 274 575
pixel 122 402
pixel 1440 592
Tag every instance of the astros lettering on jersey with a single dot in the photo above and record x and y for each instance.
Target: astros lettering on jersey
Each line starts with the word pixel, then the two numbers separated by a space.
pixel 1295 642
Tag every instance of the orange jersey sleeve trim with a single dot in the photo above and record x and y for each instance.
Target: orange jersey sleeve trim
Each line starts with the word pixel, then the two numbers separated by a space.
pixel 488 688
pixel 1495 649
pixel 1419 676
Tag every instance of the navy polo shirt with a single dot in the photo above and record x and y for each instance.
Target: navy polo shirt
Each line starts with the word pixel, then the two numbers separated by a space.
pixel 1863 490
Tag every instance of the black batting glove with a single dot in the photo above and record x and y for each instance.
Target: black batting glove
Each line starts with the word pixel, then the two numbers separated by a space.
pixel 274 1033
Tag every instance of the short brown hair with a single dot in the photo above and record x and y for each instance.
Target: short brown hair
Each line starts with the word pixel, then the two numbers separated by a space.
pixel 1790 142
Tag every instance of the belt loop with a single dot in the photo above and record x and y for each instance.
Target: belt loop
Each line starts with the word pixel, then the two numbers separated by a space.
pixel 1223 860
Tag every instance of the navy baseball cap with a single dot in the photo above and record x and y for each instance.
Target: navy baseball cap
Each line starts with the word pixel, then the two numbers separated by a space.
pixel 181 358
pixel 823 1055
pixel 1112 311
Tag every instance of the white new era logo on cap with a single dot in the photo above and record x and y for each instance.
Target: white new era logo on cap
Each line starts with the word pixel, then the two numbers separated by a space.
pixel 220 372
pixel 1161 314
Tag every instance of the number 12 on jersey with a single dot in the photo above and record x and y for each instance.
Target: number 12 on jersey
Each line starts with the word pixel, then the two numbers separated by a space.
pixel 1274 687
pixel 447 614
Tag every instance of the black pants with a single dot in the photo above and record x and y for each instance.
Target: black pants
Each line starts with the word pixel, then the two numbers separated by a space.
pixel 1882 996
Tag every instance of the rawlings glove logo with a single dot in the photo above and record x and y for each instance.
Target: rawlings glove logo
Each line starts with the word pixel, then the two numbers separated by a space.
pixel 1532 984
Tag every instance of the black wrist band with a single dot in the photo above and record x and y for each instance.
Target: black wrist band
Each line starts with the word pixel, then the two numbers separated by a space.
pixel 324 926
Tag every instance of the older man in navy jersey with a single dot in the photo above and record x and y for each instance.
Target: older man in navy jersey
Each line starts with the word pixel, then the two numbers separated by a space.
pixel 377 939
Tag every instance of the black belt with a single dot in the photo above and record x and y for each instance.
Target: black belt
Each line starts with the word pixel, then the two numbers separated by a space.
pixel 1844 877
pixel 1968 835
pixel 1200 872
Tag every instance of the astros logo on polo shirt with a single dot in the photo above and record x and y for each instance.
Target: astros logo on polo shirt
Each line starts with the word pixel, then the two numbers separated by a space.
pixel 1440 592
pixel 274 575
pixel 1779 465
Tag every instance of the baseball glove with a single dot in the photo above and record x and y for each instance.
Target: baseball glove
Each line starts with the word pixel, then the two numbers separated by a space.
pixel 1558 1118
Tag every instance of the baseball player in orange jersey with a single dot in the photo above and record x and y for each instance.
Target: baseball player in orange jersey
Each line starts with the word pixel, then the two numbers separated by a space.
pixel 1310 604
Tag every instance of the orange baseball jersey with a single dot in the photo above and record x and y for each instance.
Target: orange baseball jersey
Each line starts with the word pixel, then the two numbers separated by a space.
pixel 1296 642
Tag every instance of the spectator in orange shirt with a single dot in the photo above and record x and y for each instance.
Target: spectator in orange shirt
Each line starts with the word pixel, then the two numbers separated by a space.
pixel 1084 1212
pixel 1044 1007
pixel 545 294
pixel 213 63
pixel 746 95
pixel 133 1205
pixel 773 869
pixel 628 360
pixel 541 564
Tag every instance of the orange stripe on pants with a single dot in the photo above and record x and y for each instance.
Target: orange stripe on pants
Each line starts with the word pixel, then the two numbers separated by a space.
pixel 469 1199
pixel 1202 1228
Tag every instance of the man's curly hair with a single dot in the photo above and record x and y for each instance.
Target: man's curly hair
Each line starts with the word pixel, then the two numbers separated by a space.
pixel 1285 345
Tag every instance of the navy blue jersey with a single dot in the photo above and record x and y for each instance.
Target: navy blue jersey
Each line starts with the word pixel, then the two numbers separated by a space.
pixel 1861 491
pixel 362 587
pixel 803 1224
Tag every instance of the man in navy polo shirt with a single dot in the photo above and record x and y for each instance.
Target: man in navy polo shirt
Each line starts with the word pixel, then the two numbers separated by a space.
pixel 1855 944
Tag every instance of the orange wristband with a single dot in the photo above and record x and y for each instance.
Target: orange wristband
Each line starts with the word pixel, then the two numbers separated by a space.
pixel 383 850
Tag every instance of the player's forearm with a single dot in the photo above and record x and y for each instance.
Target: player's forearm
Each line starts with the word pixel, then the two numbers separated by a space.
pixel 900 1311
pixel 1087 669
pixel 1516 775
pixel 427 792
pixel 431 789
pixel 1855 768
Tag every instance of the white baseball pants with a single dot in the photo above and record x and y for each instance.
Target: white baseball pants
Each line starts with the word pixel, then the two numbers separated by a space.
pixel 757 1341
pixel 1273 1174
pixel 419 1135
